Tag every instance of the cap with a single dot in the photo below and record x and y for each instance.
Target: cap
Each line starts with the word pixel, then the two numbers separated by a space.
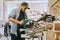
pixel 25 4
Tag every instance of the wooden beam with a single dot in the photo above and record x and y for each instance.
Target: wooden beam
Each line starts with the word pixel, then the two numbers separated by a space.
pixel 55 3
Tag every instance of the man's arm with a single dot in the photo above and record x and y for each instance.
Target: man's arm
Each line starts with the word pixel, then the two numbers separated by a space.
pixel 16 21
pixel 12 16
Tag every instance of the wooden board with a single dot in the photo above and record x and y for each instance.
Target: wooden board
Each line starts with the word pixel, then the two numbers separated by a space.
pixel 57 26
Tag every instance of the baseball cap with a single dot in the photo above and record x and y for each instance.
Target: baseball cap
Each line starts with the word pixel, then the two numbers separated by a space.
pixel 25 4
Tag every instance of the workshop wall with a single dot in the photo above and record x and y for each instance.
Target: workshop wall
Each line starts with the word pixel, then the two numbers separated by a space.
pixel 1 9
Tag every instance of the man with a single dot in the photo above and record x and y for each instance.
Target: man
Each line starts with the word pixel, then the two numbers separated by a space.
pixel 17 17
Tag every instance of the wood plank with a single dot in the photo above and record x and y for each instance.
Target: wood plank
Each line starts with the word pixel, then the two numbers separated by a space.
pixel 57 26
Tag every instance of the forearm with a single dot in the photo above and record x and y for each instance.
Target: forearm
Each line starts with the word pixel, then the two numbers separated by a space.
pixel 14 21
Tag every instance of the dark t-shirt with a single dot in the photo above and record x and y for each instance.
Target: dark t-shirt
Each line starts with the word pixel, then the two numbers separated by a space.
pixel 21 17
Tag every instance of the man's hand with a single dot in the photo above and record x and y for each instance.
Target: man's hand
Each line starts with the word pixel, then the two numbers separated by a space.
pixel 21 22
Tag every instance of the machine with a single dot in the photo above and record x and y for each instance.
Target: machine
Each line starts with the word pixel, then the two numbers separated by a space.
pixel 35 29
